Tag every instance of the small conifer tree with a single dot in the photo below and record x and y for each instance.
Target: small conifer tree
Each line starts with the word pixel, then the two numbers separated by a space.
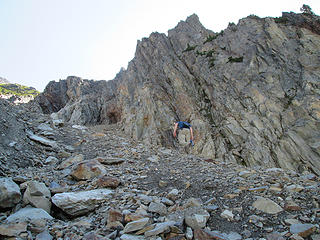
pixel 306 9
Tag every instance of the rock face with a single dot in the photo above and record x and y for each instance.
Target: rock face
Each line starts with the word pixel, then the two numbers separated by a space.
pixel 250 92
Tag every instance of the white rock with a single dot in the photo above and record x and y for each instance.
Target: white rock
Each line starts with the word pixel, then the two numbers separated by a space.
pixel 189 233
pixel 227 214
pixel 79 203
pixel 44 127
pixel 79 127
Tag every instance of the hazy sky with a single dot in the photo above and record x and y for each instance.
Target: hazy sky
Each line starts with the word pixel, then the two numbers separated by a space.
pixel 44 40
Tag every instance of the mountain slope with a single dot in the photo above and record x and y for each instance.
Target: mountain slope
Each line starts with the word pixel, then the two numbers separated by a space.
pixel 250 92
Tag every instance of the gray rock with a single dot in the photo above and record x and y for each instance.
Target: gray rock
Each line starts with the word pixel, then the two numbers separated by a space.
pixel 266 205
pixel 136 225
pixel 159 208
pixel 44 127
pixel 38 195
pixel 227 214
pixel 45 235
pixel 9 193
pixel 29 214
pixel 173 194
pixel 71 160
pixel 13 229
pixel 303 230
pixel 131 237
pixel 211 208
pixel 295 188
pixel 291 221
pixel 51 160
pixel 42 140
pixel 234 236
pixel 167 201
pixel 79 203
pixel 159 228
pixel 145 199
pixel 196 217
pixel 189 233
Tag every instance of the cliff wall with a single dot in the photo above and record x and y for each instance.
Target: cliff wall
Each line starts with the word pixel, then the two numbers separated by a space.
pixel 251 92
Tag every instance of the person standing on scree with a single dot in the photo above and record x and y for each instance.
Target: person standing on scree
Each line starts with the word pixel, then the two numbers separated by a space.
pixel 181 125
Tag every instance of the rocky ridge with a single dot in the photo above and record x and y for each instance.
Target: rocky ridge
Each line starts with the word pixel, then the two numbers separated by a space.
pixel 251 92
pixel 95 182
pixel 16 93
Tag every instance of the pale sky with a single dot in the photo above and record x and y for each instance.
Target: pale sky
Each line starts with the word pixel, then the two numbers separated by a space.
pixel 44 40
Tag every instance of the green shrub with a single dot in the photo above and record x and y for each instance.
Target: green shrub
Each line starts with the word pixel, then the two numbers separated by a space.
pixel 18 90
pixel 189 48
pixel 211 62
pixel 231 59
pixel 210 38
pixel 210 53
pixel 201 53
pixel 282 20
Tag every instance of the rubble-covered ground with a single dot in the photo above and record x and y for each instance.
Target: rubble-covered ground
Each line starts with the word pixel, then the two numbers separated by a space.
pixel 61 181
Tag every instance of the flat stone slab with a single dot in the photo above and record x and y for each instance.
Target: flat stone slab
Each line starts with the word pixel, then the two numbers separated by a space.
pixel 266 205
pixel 29 214
pixel 79 203
pixel 110 160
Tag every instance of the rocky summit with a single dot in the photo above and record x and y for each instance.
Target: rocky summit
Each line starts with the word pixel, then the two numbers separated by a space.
pixel 97 159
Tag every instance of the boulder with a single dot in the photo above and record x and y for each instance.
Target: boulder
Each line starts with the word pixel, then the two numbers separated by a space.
pixel 79 203
pixel 159 208
pixel 38 195
pixel 29 214
pixel 196 217
pixel 9 193
pixel 88 170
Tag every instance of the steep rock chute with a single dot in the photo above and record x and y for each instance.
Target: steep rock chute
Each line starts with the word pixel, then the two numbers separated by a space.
pixel 251 92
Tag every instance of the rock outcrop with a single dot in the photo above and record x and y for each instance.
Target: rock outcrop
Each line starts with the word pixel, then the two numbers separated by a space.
pixel 251 92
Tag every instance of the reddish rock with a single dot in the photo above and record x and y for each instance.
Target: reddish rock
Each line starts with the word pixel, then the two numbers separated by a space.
pixel 107 182
pixel 292 206
pixel 203 234
pixel 115 215
pixel 88 170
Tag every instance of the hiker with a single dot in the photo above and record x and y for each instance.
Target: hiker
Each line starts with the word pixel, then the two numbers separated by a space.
pixel 181 125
